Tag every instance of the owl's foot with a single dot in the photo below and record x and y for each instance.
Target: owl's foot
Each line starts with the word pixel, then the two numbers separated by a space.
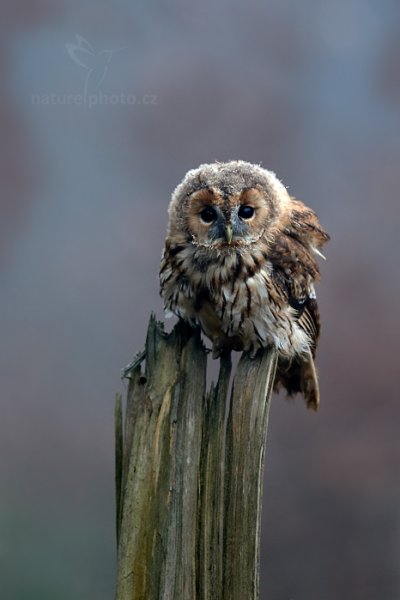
pixel 253 351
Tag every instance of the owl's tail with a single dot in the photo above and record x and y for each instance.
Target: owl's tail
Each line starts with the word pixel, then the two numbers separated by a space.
pixel 299 376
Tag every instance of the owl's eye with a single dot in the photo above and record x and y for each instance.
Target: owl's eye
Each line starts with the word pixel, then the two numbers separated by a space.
pixel 208 214
pixel 246 212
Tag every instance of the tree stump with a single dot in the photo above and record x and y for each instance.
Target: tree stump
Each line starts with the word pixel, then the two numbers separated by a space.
pixel 188 479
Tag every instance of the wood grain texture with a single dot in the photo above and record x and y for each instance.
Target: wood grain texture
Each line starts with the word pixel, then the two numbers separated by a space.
pixel 244 468
pixel 189 500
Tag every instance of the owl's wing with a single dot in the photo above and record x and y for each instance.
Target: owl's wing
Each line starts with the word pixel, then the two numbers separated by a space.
pixel 295 270
pixel 305 227
pixel 293 254
pixel 308 319
pixel 298 375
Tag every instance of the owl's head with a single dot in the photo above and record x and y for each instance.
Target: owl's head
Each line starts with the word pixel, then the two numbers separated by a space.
pixel 225 205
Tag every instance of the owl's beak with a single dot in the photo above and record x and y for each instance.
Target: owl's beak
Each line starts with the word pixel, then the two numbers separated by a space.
pixel 228 233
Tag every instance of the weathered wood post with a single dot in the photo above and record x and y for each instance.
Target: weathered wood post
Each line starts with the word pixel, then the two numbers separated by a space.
pixel 188 481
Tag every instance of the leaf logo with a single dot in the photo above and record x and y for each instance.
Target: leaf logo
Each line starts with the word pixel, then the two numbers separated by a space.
pixel 96 63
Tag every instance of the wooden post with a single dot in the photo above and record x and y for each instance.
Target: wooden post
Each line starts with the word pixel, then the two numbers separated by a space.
pixel 188 484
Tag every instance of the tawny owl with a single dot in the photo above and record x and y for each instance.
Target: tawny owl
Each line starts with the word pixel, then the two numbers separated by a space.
pixel 240 261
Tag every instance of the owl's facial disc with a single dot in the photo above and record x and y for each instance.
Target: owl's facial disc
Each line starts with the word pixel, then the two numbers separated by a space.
pixel 223 221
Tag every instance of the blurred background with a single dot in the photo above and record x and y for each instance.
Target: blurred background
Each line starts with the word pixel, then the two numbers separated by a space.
pixel 103 108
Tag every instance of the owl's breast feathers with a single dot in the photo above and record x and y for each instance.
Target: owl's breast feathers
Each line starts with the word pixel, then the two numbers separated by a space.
pixel 249 297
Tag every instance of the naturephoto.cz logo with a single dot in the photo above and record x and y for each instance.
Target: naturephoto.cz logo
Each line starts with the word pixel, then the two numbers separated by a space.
pixel 96 65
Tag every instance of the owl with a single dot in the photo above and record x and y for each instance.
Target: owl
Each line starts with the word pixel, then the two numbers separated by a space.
pixel 240 262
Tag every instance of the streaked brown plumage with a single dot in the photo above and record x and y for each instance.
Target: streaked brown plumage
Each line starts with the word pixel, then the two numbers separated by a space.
pixel 240 261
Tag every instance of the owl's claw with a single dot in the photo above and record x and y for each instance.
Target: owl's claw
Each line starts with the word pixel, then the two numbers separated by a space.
pixel 137 360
